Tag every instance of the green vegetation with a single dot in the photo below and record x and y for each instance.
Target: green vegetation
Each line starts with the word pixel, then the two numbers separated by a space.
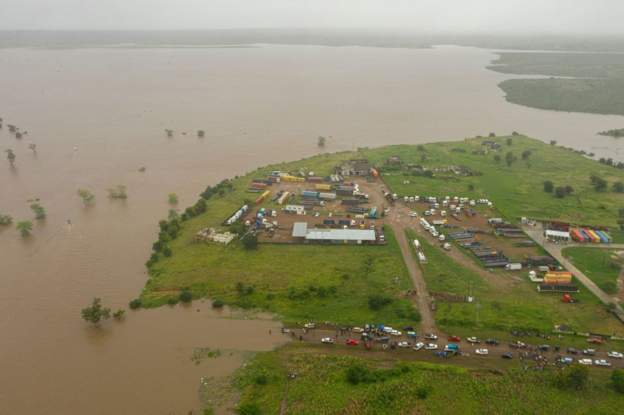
pixel 602 266
pixel 95 312
pixel 24 227
pixel 516 190
pixel 617 377
pixel 172 199
pixel 328 382
pixel 594 83
pixel 503 304
pixel 38 210
pixel 118 192
pixel 5 220
pixel 616 133
pixel 86 196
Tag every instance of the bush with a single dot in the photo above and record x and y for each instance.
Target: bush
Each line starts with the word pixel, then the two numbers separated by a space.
pixel 358 373
pixel 617 377
pixel 135 304
pixel 186 296
pixel 378 301
pixel 573 377
pixel 422 392
pixel 172 301
pixel 248 409
pixel 548 186
pixel 217 303
pixel 250 241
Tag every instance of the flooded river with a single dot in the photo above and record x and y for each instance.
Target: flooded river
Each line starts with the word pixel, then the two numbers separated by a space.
pixel 98 115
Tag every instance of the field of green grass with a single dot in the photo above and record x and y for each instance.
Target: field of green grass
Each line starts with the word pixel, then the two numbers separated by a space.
pixel 321 386
pixel 296 282
pixel 516 190
pixel 591 83
pixel 602 266
pixel 507 305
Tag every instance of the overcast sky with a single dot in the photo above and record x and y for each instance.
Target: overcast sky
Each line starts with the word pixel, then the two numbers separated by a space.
pixel 450 16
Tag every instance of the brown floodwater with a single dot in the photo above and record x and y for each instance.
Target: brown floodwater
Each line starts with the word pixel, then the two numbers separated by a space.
pixel 98 115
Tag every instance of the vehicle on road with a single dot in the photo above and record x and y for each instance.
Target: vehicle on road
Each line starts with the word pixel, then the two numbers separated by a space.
pixel 602 362
pixel 431 336
pixel 616 355
pixel 352 342
pixel 413 214
pixel 482 352
pixel 507 355
pixel 431 346
pixel 586 362
pixel 589 352
pixel 473 340
pixel 419 346
pixel 517 345
pixel 327 340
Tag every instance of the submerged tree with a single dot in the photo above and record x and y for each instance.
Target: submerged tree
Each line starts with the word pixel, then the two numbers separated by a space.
pixel 200 133
pixel 39 211
pixel 5 220
pixel 321 141
pixel 86 196
pixel 173 198
pixel 169 132
pixel 95 312
pixel 118 192
pixel 24 227
pixel 10 156
pixel 32 147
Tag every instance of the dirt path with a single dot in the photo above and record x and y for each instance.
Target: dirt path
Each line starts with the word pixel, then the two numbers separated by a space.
pixel 284 402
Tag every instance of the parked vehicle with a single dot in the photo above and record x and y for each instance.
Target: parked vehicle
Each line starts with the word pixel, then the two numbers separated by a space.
pixel 403 344
pixel 544 347
pixel 492 342
pixel 411 334
pixel 587 362
pixel 309 325
pixel 431 336
pixel 357 330
pixel 419 346
pixel 327 340
pixel 589 352
pixel 595 340
pixel 507 355
pixel 454 339
pixel 566 360
pixel 517 345
pixel 572 350
pixel 431 346
pixel 396 333
pixel 482 352
pixel 616 355
pixel 602 362
pixel 352 342
pixel 473 340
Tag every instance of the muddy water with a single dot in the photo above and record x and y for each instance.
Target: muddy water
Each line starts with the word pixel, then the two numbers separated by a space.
pixel 257 105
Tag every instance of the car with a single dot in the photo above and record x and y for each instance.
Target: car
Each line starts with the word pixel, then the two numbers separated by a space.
pixel 403 344
pixel 572 350
pixel 589 352
pixel 492 342
pixel 431 346
pixel 352 342
pixel 383 339
pixel 431 336
pixel 396 333
pixel 418 346
pixel 408 328
pixel 454 338
pixel 595 340
pixel 327 340
pixel 544 347
pixel 309 325
pixel 566 360
pixel 473 340
pixel 357 330
pixel 507 355
pixel 616 355
pixel 411 334
pixel 413 214
pixel 586 362
pixel 602 362
pixel 482 352
pixel 517 345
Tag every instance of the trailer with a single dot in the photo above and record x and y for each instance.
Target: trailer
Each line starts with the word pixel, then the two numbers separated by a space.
pixel 262 197
pixel 310 194
pixel 320 186
pixel 351 202
pixel 327 196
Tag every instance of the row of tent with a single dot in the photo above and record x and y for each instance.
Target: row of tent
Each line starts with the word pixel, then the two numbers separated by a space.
pixel 589 235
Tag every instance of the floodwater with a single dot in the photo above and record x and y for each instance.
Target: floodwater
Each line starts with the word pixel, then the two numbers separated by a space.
pixel 98 115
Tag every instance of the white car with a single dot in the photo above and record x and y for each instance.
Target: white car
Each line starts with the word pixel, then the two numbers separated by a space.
pixel 309 325
pixel 431 336
pixel 396 333
pixel 473 340
pixel 482 352
pixel 431 346
pixel 413 214
pixel 419 346
pixel 403 344
pixel 616 355
pixel 357 330
pixel 602 362
pixel 586 362
pixel 327 340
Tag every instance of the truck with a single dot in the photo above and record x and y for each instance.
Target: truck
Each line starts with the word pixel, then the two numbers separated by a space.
pixel 516 266
pixel 372 214
pixel 416 244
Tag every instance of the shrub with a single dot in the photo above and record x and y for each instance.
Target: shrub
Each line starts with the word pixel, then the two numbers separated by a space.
pixel 422 392
pixel 573 377
pixel 248 409
pixel 358 373
pixel 135 304
pixel 217 303
pixel 617 377
pixel 119 314
pixel 378 301
pixel 172 301
pixel 250 241
pixel 186 296
pixel 548 186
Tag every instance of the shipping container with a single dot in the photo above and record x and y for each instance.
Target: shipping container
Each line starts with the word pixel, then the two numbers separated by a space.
pixel 262 197
pixel 351 202
pixel 310 194
pixel 315 179
pixel 327 196
pixel 322 186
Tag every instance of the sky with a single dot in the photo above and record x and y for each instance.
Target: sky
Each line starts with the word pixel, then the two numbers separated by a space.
pixel 428 16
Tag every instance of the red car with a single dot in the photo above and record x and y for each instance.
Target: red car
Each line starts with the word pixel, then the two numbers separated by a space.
pixel 595 340
pixel 352 342
pixel 454 339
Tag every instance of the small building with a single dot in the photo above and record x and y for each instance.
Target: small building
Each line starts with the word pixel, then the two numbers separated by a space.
pixel 296 209
pixel 557 236
pixel 359 167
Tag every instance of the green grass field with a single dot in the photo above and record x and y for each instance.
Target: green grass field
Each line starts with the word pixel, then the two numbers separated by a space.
pixel 321 387
pixel 593 83
pixel 510 305
pixel 602 266
pixel 517 190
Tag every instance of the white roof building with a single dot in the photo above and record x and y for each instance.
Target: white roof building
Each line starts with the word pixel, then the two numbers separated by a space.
pixel 300 230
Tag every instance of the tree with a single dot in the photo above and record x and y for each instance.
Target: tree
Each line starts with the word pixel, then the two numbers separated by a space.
pixel 250 241
pixel 86 196
pixel 186 296
pixel 95 312
pixel 173 215
pixel 492 135
pixel 173 199
pixel 24 227
pixel 600 184
pixel 509 158
pixel 135 304
pixel 617 377
pixel 321 141
pixel 553 142
pixel 497 158
pixel 618 187
pixel 5 220
pixel 378 301
pixel 569 189
pixel 119 314
pixel 526 154
pixel 169 132
pixel 548 186
pixel 39 211
pixel 118 192
pixel 10 156
pixel 515 133
pixel 248 409
pixel 560 192
pixel 573 377
pixel 200 133
pixel 509 141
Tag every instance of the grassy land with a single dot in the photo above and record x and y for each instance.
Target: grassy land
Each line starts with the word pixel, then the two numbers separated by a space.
pixel 597 87
pixel 602 266
pixel 297 282
pixel 517 190
pixel 507 306
pixel 321 387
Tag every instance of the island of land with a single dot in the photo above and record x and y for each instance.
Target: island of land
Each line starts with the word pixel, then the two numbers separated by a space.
pixel 479 268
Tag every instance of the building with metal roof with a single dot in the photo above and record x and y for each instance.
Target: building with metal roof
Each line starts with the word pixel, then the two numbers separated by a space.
pixel 300 230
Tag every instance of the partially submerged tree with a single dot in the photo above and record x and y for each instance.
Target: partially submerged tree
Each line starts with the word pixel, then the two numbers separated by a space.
pixel 24 227
pixel 200 133
pixel 172 198
pixel 118 192
pixel 119 314
pixel 169 132
pixel 86 196
pixel 39 211
pixel 95 312
pixel 5 220
pixel 32 147
pixel 10 156
pixel 321 141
